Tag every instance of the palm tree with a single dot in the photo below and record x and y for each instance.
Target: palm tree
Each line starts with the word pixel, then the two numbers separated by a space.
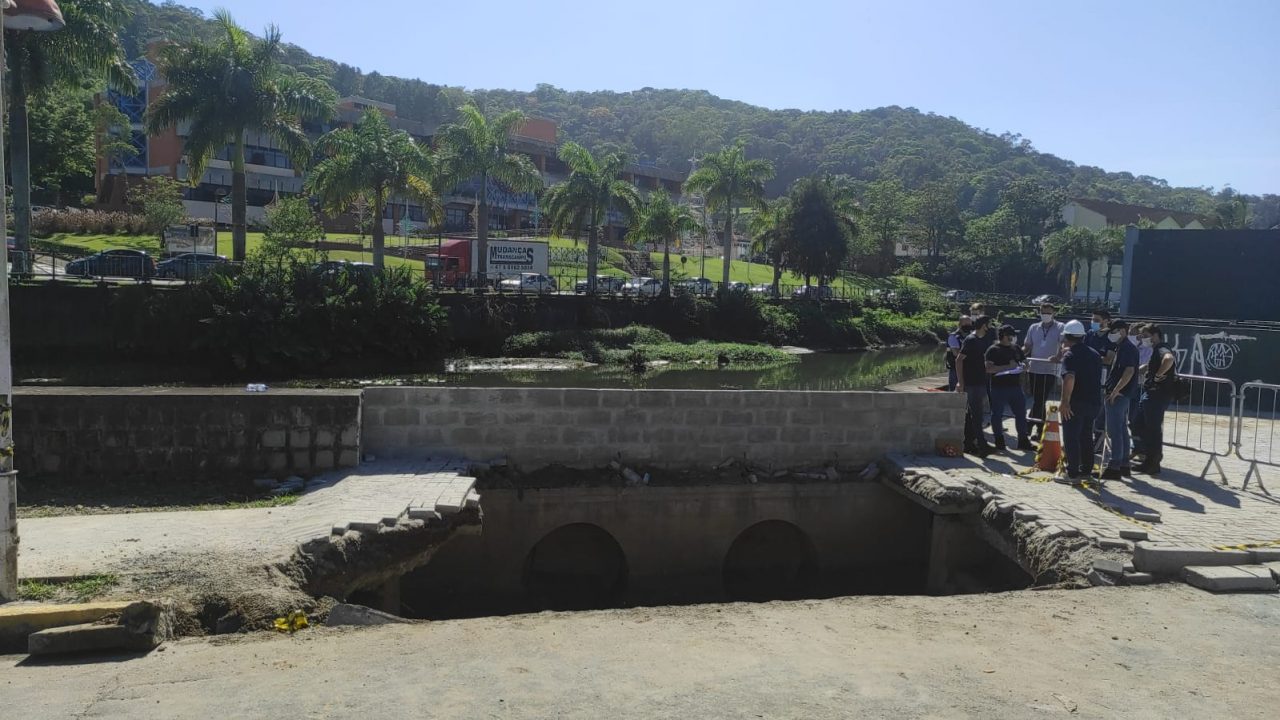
pixel 661 220
pixel 593 188
pixel 768 228
pixel 87 50
pixel 476 148
pixel 231 86
pixel 1062 249
pixel 728 180
pixel 1112 248
pixel 374 161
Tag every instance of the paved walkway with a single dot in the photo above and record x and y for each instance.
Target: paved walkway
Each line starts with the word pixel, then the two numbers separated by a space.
pixel 1192 511
pixel 372 494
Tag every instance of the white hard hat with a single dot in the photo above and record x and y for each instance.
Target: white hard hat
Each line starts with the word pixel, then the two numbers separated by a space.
pixel 1075 328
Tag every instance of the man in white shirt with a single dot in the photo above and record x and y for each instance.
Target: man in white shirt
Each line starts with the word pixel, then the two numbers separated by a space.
pixel 1044 348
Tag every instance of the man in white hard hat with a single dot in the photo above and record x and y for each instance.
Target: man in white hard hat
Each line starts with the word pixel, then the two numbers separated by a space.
pixel 1081 400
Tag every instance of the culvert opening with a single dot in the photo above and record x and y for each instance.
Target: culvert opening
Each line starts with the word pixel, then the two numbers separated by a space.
pixel 580 548
pixel 575 567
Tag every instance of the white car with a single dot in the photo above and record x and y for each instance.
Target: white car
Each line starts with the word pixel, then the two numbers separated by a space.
pixel 529 283
pixel 643 287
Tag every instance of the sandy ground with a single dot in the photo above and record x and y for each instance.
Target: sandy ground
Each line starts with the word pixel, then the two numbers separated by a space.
pixel 1161 652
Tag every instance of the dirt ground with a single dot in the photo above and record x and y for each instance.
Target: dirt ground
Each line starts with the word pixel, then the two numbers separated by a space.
pixel 1160 652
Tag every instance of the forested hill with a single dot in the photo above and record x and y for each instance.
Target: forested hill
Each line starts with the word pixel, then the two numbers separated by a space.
pixel 670 126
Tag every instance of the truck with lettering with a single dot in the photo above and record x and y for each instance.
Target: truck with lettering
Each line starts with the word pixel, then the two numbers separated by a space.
pixel 455 261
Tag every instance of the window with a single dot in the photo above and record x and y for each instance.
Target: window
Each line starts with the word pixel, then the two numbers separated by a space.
pixel 457 218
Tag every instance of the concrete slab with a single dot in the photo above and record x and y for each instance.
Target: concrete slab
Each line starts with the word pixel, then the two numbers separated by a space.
pixel 1233 578
pixel 1171 559
pixel 1274 567
pixel 82 639
pixel 345 614
pixel 19 621
pixel 1265 555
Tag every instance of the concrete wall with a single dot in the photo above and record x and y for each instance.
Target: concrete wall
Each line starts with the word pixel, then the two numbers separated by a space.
pixel 587 428
pixel 168 434
pixel 867 538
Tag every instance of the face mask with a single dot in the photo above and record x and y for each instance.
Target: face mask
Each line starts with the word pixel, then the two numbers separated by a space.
pixel 1146 342
pixel 966 329
pixel 1114 337
pixel 1095 326
pixel 1046 318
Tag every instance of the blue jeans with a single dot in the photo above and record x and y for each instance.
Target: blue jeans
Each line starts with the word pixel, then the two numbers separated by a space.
pixel 1012 398
pixel 1151 425
pixel 974 397
pixel 951 379
pixel 1117 415
pixel 1077 438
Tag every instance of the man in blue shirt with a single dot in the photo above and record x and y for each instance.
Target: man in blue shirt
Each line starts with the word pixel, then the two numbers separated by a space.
pixel 1081 400
pixel 1121 391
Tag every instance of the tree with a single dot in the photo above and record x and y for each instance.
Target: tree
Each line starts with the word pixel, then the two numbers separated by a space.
pixel 593 188
pixel 476 148
pixel 727 180
pixel 768 236
pixel 1064 248
pixel 87 50
pixel 231 86
pixel 935 215
pixel 1111 247
pixel 1035 209
pixel 291 225
pixel 660 220
pixel 1231 214
pixel 372 160
pixel 159 199
pixel 884 212
pixel 817 235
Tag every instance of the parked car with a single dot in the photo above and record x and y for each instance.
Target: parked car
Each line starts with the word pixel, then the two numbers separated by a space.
pixel 739 287
pixel 698 286
pixel 959 295
pixel 529 283
pixel 605 284
pixel 814 292
pixel 642 287
pixel 765 290
pixel 333 267
pixel 189 266
pixel 114 263
pixel 1042 299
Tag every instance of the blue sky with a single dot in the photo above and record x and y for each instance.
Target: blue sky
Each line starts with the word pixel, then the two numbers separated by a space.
pixel 1186 91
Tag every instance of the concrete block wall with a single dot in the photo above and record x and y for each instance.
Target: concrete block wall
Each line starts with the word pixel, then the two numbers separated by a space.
pixel 534 427
pixel 175 434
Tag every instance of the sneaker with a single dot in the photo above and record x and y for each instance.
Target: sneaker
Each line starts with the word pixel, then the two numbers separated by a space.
pixel 1112 474
pixel 1147 468
pixel 980 451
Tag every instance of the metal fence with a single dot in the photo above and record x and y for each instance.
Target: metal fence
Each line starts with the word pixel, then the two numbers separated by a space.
pixel 1256 416
pixel 1205 422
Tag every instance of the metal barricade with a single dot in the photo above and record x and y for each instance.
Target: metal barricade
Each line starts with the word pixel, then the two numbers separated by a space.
pixel 1257 410
pixel 1049 385
pixel 1205 422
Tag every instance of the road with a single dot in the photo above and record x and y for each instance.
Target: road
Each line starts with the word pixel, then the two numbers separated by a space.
pixel 1159 652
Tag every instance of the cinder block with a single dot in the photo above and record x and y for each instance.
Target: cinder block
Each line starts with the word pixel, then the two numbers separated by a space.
pixel 324 460
pixel 701 417
pixel 577 398
pixel 1234 578
pixel 737 417
pixel 351 435
pixel 278 461
pixel 348 458
pixel 273 439
pixel 301 460
pixel 796 434
pixel 763 434
pixel 1171 559
pixel 299 438
pixel 401 416
pixel 653 398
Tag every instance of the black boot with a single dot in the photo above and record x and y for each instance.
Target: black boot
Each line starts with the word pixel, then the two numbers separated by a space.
pixel 1024 443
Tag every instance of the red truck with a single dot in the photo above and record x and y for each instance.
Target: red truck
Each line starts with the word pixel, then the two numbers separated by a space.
pixel 456 262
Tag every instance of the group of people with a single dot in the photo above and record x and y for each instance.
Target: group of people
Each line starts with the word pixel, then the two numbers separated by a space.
pixel 1117 379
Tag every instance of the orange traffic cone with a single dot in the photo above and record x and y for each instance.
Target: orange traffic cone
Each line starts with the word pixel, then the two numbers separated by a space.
pixel 1049 459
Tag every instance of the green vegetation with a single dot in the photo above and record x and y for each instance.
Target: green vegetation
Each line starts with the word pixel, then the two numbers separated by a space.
pixel 81 589
pixel 727 180
pixel 637 342
pixel 662 221
pixel 593 188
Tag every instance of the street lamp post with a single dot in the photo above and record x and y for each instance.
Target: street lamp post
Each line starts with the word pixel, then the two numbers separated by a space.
pixel 41 16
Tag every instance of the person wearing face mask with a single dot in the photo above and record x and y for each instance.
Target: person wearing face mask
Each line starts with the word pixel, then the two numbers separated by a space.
pixel 1121 391
pixel 1043 346
pixel 1098 338
pixel 972 381
pixel 1157 393
pixel 963 328
pixel 1081 398
pixel 1005 364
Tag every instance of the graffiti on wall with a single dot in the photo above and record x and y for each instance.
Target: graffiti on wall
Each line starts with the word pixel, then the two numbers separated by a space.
pixel 1208 354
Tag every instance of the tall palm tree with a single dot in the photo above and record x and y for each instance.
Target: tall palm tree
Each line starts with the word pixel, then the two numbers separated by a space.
pixel 373 161
pixel 768 235
pixel 1062 249
pixel 594 187
pixel 477 148
pixel 87 50
pixel 231 86
pixel 728 180
pixel 661 220
pixel 1112 248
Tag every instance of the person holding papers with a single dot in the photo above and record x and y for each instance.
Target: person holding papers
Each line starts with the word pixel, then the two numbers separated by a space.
pixel 1006 363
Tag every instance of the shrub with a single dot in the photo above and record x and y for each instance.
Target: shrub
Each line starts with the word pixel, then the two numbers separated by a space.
pixel 79 221
pixel 159 200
